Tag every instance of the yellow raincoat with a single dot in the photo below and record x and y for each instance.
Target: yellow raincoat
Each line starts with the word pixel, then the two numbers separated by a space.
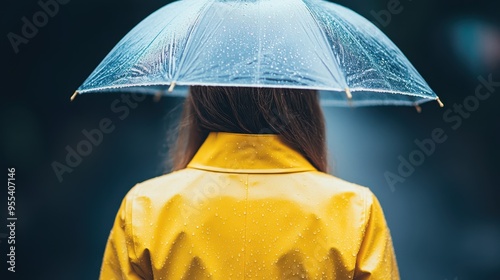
pixel 249 207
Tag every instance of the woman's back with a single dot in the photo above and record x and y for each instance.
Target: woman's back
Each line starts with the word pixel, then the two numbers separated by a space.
pixel 249 207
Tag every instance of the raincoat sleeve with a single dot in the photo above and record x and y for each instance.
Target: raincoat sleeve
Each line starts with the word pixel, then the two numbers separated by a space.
pixel 120 261
pixel 376 258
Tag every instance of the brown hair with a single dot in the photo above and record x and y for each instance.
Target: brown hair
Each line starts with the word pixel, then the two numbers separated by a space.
pixel 294 114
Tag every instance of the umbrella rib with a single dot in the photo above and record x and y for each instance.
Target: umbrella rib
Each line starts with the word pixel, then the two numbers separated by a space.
pixel 189 37
pixel 207 35
pixel 139 56
pixel 325 40
pixel 360 46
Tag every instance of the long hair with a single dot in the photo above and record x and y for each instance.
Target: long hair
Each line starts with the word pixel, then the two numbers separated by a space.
pixel 294 114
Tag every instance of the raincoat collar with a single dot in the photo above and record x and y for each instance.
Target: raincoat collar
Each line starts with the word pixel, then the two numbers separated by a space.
pixel 248 153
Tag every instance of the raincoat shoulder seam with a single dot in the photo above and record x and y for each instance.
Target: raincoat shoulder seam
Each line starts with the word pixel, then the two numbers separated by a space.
pixel 366 219
pixel 129 215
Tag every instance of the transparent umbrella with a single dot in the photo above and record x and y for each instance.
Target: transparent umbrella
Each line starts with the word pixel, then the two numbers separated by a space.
pixel 310 44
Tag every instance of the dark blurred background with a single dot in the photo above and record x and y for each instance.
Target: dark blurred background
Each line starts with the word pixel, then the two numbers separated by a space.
pixel 444 217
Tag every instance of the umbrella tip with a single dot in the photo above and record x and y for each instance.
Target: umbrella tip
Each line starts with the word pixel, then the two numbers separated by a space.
pixel 349 96
pixel 171 88
pixel 418 108
pixel 439 102
pixel 348 93
pixel 73 96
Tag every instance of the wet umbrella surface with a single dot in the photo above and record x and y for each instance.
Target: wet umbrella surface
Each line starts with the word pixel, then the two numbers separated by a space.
pixel 309 44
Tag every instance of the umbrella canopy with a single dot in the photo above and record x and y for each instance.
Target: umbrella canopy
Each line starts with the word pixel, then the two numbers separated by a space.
pixel 310 44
